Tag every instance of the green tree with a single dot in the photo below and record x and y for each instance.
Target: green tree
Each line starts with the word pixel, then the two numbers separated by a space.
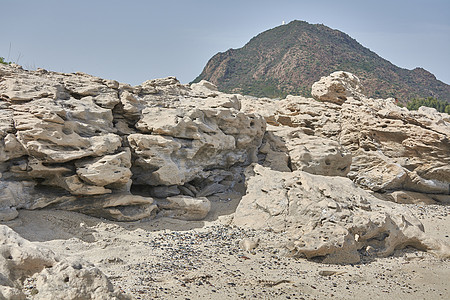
pixel 2 61
pixel 439 105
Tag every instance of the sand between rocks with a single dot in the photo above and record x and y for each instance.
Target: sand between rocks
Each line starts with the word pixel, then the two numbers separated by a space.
pixel 171 259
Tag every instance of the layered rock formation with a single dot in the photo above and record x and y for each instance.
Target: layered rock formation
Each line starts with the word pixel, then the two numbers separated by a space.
pixel 393 153
pixel 83 143
pixel 391 148
pixel 78 142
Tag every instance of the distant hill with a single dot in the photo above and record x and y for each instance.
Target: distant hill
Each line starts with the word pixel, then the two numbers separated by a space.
pixel 288 59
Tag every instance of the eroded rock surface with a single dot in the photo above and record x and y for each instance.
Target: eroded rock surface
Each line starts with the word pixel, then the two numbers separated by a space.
pixel 337 87
pixel 327 218
pixel 54 277
pixel 87 140
pixel 126 153
pixel 385 147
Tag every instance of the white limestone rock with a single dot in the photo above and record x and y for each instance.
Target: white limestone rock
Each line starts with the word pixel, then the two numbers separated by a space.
pixel 10 148
pixel 13 195
pixel 205 88
pixel 33 86
pixel 185 207
pixel 337 87
pixel 8 214
pixel 109 169
pixel 76 136
pixel 122 206
pixel 388 142
pixel 326 218
pixel 391 148
pixel 185 142
pixel 56 277
pixel 406 197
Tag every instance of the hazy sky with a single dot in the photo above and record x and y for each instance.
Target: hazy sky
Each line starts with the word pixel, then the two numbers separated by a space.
pixel 132 41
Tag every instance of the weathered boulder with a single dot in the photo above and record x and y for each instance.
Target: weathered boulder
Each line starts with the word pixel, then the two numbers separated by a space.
pixel 185 207
pixel 55 277
pixel 317 155
pixel 312 117
pixel 205 88
pixel 289 149
pixel 74 280
pixel 106 170
pixel 337 87
pixel 12 196
pixel 394 148
pixel 182 147
pixel 118 206
pixel 326 218
pixel 406 197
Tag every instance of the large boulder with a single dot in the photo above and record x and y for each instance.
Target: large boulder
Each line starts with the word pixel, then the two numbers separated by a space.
pixel 186 142
pixel 337 87
pixel 185 207
pixel 410 148
pixel 326 218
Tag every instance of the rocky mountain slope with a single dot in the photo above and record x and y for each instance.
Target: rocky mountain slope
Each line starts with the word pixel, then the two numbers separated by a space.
pixel 322 174
pixel 288 59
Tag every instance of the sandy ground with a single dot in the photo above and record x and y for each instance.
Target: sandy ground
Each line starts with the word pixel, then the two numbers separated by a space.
pixel 173 259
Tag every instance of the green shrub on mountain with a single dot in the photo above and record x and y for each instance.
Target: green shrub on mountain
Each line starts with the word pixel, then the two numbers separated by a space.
pixel 439 105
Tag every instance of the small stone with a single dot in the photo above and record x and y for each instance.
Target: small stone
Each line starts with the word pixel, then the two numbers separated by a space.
pixel 249 244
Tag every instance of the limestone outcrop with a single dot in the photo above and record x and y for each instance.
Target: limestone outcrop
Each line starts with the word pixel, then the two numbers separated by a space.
pixel 327 218
pixel 386 148
pixel 52 276
pixel 80 142
pixel 316 168
pixel 395 154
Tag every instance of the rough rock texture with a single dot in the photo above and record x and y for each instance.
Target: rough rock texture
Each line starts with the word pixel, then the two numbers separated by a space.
pixel 395 149
pixel 337 87
pixel 391 148
pixel 398 155
pixel 326 218
pixel 185 207
pixel 76 141
pixel 54 277
pixel 126 153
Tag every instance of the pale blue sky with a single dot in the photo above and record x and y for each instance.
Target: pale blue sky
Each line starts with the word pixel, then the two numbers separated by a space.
pixel 132 41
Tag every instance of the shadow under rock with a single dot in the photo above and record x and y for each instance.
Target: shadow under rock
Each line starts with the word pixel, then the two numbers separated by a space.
pixel 49 224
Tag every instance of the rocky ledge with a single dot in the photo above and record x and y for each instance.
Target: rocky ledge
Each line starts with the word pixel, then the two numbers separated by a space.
pixel 325 173
pixel 107 149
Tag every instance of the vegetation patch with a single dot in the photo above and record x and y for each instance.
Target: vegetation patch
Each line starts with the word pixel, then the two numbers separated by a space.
pixel 2 61
pixel 439 105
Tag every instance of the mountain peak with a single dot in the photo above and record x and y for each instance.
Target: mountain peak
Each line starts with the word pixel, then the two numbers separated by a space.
pixel 289 58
